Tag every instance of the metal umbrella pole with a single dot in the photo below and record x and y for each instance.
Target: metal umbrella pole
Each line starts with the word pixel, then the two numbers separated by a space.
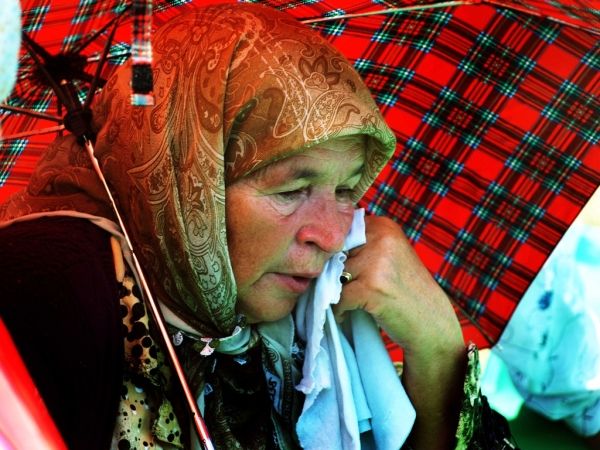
pixel 77 121
pixel 199 424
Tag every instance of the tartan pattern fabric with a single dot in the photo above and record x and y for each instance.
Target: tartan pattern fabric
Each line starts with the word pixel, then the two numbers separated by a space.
pixel 498 128
pixel 65 26
pixel 496 112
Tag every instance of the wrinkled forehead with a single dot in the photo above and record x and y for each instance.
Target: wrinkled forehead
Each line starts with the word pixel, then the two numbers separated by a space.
pixel 342 157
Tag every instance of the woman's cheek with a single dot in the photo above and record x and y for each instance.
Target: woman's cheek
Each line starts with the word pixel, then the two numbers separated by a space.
pixel 347 214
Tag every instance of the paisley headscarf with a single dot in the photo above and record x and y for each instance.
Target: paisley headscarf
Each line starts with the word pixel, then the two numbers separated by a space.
pixel 236 87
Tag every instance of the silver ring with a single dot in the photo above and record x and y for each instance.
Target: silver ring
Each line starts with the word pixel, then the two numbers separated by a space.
pixel 345 277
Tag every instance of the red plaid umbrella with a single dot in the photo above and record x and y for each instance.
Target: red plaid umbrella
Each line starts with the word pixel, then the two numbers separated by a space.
pixel 494 104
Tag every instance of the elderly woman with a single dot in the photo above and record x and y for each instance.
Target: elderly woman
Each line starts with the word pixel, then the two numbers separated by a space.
pixel 237 187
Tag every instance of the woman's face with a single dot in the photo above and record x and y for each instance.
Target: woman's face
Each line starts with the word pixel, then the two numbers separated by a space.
pixel 286 219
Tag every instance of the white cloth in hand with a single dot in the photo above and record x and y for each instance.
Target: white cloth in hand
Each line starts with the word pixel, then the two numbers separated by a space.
pixel 354 397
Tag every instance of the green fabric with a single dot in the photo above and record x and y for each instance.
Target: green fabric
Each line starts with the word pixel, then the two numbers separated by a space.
pixel 471 401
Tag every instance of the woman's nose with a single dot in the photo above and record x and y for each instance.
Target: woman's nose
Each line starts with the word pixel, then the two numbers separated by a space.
pixel 326 227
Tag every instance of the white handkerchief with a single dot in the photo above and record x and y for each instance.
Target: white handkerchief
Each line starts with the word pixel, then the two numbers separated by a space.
pixel 354 398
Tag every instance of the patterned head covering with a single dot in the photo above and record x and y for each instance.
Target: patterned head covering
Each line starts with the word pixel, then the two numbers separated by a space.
pixel 236 87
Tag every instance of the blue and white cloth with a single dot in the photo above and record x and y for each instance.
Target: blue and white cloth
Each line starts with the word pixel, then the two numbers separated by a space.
pixel 551 345
pixel 10 42
pixel 354 397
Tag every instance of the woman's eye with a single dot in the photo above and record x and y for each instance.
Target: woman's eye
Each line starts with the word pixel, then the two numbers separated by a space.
pixel 292 195
pixel 345 193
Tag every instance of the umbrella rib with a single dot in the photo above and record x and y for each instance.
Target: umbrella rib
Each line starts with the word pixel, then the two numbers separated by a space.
pixel 91 39
pixel 541 15
pixel 94 84
pixel 30 113
pixel 385 11
pixel 36 94
pixel 96 58
pixel 437 6
pixel 31 47
pixel 26 134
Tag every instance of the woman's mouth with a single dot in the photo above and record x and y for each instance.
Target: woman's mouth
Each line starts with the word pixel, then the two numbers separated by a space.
pixel 294 283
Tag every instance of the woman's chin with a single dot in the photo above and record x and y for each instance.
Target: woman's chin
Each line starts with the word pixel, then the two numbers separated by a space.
pixel 272 298
pixel 269 313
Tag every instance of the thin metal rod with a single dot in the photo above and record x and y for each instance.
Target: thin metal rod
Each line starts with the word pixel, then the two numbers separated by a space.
pixel 156 313
pixel 31 113
pixel 96 79
pixel 36 52
pixel 385 11
pixel 82 45
pixel 96 57
pixel 26 134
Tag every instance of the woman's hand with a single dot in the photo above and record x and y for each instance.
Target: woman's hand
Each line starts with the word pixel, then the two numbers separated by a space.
pixel 392 284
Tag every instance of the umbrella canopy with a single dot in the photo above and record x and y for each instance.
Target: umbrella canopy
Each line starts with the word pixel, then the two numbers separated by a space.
pixel 494 104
